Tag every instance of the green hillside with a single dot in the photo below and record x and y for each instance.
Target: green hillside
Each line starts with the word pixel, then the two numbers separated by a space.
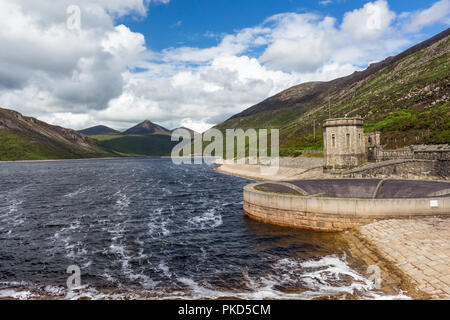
pixel 137 145
pixel 406 97
pixel 26 138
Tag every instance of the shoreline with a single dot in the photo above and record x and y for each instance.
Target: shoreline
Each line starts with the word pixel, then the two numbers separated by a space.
pixel 417 248
pixel 413 254
pixel 289 169
pixel 56 160
pixel 79 159
pixel 394 280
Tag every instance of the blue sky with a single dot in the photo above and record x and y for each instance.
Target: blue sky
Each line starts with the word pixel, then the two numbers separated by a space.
pixel 191 63
pixel 200 23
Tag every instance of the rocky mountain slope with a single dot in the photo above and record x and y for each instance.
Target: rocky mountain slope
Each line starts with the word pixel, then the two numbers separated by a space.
pixel 406 97
pixel 26 138
pixel 147 127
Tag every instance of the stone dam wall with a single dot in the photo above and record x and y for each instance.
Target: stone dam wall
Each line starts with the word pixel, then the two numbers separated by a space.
pixel 298 209
pixel 441 153
pixel 403 168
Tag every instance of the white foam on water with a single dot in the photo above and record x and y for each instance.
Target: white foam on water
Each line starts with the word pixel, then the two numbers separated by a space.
pixel 58 292
pixel 165 231
pixel 55 291
pixel 14 205
pixel 164 268
pixel 210 219
pixel 77 192
pixel 204 254
pixel 117 249
pixel 198 290
pixel 329 277
pixel 165 191
pixel 85 292
pixel 15 294
pixel 109 277
pixel 321 278
pixel 12 216
pixel 145 281
pixel 62 241
pixel 124 256
pixel 123 201
pixel 158 224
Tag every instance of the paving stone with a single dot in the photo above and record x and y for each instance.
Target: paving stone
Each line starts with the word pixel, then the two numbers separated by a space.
pixel 419 247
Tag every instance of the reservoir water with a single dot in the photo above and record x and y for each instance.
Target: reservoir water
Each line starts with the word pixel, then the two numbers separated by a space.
pixel 146 228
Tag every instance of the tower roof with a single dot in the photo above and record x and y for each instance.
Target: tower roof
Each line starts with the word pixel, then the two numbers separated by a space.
pixel 337 122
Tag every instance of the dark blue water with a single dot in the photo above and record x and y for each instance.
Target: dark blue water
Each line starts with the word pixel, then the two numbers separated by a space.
pixel 146 228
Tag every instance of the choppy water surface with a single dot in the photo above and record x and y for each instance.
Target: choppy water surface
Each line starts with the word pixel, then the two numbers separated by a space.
pixel 145 228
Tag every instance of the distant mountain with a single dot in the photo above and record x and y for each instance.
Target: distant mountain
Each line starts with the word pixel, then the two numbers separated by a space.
pixel 98 130
pixel 144 139
pixel 147 127
pixel 406 97
pixel 26 138
pixel 138 145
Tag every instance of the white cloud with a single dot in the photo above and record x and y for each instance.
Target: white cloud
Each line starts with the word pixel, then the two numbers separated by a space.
pixel 300 42
pixel 306 43
pixel 438 12
pixel 72 70
pixel 325 2
pixel 81 79
pixel 370 22
pixel 200 96
pixel 231 44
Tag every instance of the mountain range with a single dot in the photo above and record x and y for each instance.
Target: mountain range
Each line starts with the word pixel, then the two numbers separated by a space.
pixel 145 127
pixel 27 138
pixel 144 139
pixel 406 97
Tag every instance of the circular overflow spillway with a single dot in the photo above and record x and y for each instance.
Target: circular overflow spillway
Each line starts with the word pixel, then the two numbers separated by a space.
pixel 338 204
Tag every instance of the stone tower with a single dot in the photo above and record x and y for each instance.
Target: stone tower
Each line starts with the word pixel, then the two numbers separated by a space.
pixel 344 144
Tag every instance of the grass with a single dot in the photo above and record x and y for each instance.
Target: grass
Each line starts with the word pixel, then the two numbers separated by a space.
pixel 16 147
pixel 390 119
pixel 104 137
pixel 137 145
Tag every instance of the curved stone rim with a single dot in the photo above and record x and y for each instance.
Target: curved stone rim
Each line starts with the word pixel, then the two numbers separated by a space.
pixel 444 193
pixel 335 214
pixel 250 187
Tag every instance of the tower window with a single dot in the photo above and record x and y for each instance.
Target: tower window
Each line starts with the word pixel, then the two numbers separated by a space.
pixel 333 140
pixel 347 140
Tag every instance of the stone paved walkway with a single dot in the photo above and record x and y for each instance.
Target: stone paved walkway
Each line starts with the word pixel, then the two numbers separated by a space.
pixel 420 248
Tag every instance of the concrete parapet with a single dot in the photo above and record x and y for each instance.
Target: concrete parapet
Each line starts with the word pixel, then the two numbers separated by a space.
pixel 404 168
pixel 330 214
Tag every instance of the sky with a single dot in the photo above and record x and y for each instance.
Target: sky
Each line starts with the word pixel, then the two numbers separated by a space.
pixel 192 63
